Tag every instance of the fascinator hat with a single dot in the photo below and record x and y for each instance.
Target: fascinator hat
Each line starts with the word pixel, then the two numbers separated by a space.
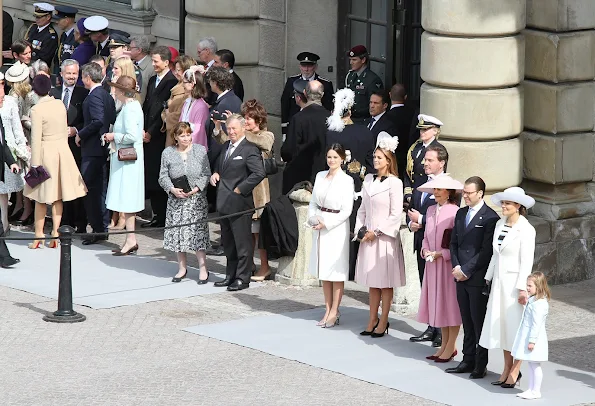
pixel 189 74
pixel 344 100
pixel 385 141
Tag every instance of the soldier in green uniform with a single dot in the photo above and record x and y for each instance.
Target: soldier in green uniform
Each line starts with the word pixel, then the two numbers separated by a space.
pixel 42 35
pixel 362 81
pixel 429 130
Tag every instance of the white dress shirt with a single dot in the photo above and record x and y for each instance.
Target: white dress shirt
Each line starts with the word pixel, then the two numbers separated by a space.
pixel 376 118
pixel 474 209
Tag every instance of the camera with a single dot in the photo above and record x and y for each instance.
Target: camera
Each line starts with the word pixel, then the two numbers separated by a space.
pixel 218 116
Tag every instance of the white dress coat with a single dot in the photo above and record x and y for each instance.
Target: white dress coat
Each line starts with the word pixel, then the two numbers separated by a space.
pixel 329 257
pixel 509 268
pixel 532 330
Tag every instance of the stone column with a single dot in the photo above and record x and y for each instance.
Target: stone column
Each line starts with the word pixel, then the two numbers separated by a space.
pixel 558 137
pixel 472 62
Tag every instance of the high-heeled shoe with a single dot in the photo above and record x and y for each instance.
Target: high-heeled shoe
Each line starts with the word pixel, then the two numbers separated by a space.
pixel 36 245
pixel 377 335
pixel 117 227
pixel 369 333
pixel 512 385
pixel 16 215
pixel 203 281
pixel 334 323
pixel 497 383
pixel 26 222
pixel 256 278
pixel 443 360
pixel 176 280
pixel 132 250
pixel 54 243
pixel 432 357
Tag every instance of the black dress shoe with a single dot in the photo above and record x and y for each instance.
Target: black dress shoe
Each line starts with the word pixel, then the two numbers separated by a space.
pixel 94 240
pixel 478 374
pixel 176 279
pixel 9 261
pixel 221 284
pixel 153 223
pixel 462 368
pixel 215 251
pixel 238 285
pixel 427 335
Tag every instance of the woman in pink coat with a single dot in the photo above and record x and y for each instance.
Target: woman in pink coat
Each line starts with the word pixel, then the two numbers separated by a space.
pixel 195 110
pixel 438 304
pixel 380 265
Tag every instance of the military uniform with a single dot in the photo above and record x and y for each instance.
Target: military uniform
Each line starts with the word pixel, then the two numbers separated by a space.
pixel 288 105
pixel 44 43
pixel 67 43
pixel 363 85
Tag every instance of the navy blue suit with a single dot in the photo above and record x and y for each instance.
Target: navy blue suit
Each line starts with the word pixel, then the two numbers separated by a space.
pixel 99 112
pixel 418 236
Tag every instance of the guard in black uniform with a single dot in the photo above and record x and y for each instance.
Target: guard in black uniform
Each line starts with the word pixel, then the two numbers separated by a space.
pixel 41 35
pixel 65 17
pixel 308 65
pixel 415 173
pixel 362 81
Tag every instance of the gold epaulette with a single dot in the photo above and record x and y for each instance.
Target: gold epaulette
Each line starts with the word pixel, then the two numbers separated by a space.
pixel 408 191
pixel 409 168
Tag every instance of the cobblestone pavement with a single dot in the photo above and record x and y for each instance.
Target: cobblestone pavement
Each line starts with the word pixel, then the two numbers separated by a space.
pixel 138 355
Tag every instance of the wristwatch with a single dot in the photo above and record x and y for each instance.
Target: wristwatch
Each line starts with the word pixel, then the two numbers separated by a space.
pixel 377 233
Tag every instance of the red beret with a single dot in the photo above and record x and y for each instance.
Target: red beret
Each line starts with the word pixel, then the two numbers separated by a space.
pixel 358 50
pixel 174 54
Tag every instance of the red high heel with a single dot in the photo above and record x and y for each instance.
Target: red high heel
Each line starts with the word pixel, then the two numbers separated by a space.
pixel 443 360
pixel 36 244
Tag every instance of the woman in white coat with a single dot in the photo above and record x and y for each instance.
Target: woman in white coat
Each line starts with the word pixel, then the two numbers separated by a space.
pixel 328 215
pixel 511 264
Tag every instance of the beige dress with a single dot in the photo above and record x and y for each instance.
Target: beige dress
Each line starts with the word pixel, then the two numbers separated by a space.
pixel 49 148
pixel 171 116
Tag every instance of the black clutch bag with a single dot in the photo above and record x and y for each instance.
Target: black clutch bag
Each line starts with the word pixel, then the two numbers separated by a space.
pixel 362 233
pixel 182 183
pixel 486 289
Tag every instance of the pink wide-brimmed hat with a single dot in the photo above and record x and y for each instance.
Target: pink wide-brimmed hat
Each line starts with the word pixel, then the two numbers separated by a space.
pixel 442 181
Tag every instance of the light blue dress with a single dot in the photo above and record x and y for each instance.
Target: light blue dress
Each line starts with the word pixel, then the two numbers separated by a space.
pixel 126 187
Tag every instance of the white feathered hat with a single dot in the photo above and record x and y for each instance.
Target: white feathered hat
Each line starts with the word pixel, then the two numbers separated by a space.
pixel 344 100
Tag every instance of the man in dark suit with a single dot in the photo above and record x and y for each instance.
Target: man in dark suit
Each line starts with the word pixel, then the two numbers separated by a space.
pixel 470 253
pixel 73 97
pixel 304 147
pixel 7 29
pixel 238 171
pixel 436 158
pixel 308 65
pixel 401 116
pixel 226 59
pixel 158 92
pixel 378 122
pixel 99 112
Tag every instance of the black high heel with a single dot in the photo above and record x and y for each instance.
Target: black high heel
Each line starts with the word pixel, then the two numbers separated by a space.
pixel 176 280
pixel 377 335
pixel 369 333
pixel 512 385
pixel 203 281
pixel 26 222
pixel 16 215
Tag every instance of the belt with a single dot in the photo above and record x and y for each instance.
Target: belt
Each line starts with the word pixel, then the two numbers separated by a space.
pixel 329 210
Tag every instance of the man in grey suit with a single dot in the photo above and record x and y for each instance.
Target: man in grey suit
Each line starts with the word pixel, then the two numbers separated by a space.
pixel 139 53
pixel 239 169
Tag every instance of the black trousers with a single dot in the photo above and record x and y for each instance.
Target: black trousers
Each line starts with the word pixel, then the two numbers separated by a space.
pixel 4 253
pixel 473 307
pixel 74 214
pixel 158 204
pixel 421 266
pixel 94 171
pixel 236 238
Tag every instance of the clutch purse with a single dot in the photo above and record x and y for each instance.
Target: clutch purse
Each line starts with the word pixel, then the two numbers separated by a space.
pixel 127 154
pixel 361 233
pixel 270 165
pixel 314 221
pixel 446 238
pixel 182 183
pixel 36 176
pixel 486 289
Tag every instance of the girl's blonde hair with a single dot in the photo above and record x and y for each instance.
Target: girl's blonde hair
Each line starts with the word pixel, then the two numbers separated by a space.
pixel 21 88
pixel 542 290
pixel 126 68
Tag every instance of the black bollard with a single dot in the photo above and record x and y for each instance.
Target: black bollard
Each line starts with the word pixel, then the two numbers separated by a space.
pixel 65 314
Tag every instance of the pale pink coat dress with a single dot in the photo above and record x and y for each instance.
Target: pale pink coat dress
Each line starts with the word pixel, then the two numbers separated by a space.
pixel 380 264
pixel 196 112
pixel 438 305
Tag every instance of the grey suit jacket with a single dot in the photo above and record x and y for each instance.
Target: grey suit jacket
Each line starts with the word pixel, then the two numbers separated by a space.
pixel 146 71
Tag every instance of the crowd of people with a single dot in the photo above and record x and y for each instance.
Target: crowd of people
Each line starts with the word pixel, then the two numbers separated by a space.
pixel 116 122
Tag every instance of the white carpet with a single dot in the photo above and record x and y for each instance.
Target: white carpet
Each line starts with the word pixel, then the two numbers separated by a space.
pixel 100 280
pixel 391 361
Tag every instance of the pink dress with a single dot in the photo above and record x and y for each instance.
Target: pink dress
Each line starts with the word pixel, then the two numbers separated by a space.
pixel 438 305
pixel 380 264
pixel 196 112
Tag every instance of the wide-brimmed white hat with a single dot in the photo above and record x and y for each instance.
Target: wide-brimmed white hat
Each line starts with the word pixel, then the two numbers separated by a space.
pixel 442 181
pixel 17 72
pixel 514 194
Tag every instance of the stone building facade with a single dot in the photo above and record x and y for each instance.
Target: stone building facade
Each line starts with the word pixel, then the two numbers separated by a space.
pixel 512 79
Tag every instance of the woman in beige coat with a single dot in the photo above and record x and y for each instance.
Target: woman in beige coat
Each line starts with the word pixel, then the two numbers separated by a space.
pixel 49 148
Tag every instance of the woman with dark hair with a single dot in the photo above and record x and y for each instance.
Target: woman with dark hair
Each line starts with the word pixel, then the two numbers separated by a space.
pixel 85 48
pixel 328 215
pixel 511 264
pixel 195 110
pixel 380 265
pixel 49 149
pixel 171 113
pixel 359 144
pixel 184 176
pixel 438 305
pixel 21 51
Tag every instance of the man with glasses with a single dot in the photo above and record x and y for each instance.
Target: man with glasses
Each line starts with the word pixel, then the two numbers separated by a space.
pixel 470 253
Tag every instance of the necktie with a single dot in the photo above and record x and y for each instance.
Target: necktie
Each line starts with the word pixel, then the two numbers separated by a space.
pixel 372 120
pixel 423 197
pixel 228 153
pixel 157 80
pixel 66 99
pixel 468 217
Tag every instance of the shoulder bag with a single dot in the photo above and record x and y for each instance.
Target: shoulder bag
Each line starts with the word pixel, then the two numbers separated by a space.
pixel 127 154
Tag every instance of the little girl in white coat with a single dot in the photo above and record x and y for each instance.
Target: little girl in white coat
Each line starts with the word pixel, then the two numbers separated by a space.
pixel 530 343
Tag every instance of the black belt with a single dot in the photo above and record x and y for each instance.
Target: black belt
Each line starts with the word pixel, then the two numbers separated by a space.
pixel 329 210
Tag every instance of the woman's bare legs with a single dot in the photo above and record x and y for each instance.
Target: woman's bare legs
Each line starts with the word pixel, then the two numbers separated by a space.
pixel 387 300
pixel 181 264
pixel 375 295
pixel 327 289
pixel 4 210
pixel 337 289
pixel 201 256
pixel 130 223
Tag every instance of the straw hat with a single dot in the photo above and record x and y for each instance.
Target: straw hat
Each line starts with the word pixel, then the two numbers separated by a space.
pixel 442 181
pixel 125 83
pixel 17 72
pixel 514 194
